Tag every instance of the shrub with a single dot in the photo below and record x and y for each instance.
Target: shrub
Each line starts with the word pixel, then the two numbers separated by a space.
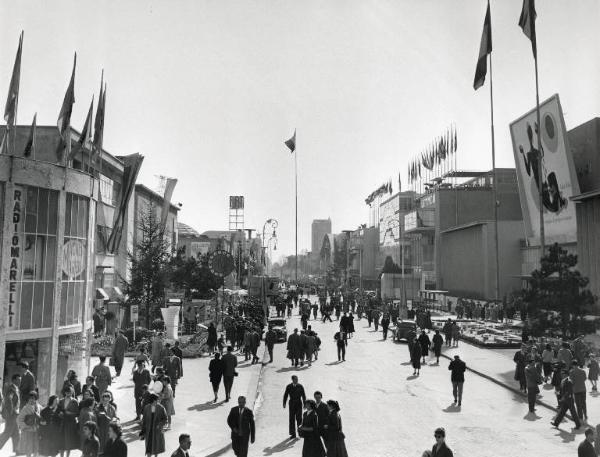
pixel 140 333
pixel 158 324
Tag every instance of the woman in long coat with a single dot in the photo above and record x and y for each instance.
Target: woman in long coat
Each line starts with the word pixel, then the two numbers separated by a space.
pixel 50 429
pixel 215 370
pixel 415 358
pixel 425 342
pixel 211 342
pixel 105 413
pixel 153 421
pixel 29 420
pixel 68 411
pixel 312 447
pixel 334 436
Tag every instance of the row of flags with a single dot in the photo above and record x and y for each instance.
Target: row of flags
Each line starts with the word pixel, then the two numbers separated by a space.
pixel 442 148
pixel 385 188
pixel 64 117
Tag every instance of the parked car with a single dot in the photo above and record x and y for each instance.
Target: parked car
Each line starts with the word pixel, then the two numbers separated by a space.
pixel 403 329
pixel 280 328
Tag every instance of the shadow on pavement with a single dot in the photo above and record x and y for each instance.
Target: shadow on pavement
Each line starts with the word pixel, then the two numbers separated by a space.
pixel 286 444
pixel 219 452
pixel 532 417
pixel 131 431
pixel 206 406
pixel 334 363
pixel 411 377
pixel 285 370
pixel 453 408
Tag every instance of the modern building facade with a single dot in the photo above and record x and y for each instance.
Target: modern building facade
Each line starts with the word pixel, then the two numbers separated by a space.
pixel 319 228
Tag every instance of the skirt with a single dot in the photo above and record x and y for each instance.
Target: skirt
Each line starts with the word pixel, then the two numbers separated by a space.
pixel 336 448
pixel 29 443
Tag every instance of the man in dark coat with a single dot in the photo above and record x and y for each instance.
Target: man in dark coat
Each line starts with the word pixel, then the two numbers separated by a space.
pixel 254 344
pixel 586 447
pixel 185 443
pixel 177 351
pixel 172 367
pixel 229 364
pixel 566 403
pixel 520 358
pixel 322 412
pixel 118 351
pixel 28 383
pixel 241 422
pixel 294 347
pixel 270 340
pixel 385 324
pixel 533 379
pixel 297 397
pixel 425 342
pixel 457 376
pixel 141 377
pixel 438 342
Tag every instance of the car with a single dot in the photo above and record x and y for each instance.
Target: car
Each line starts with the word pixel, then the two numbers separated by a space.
pixel 403 329
pixel 279 326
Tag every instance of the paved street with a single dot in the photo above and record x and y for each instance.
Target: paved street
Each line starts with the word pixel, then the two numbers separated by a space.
pixel 388 412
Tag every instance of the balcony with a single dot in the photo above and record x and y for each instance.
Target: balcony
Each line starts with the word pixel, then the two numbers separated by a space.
pixel 420 221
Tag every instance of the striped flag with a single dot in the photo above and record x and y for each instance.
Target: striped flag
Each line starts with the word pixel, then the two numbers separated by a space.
pixel 485 49
pixel 527 23
pixel 30 146
pixel 12 100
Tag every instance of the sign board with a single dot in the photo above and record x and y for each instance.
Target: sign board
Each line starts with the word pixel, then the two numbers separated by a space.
pixel 221 263
pixel 134 312
pixel 557 173
pixel 16 244
pixel 236 202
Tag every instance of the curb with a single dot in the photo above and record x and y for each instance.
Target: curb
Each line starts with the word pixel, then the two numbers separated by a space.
pixel 506 386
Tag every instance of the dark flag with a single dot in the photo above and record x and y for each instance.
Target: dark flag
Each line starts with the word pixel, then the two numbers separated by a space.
pixel 485 49
pixel 86 133
pixel 99 121
pixel 30 146
pixel 64 117
pixel 291 143
pixel 527 23
pixel 399 183
pixel 12 100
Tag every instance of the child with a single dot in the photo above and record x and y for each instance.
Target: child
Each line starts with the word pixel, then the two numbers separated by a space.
pixel 167 399
pixel 593 373
pixel 221 344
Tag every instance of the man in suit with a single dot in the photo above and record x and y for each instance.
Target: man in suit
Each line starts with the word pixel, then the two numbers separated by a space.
pixel 172 367
pixel 270 340
pixel 241 422
pixel 586 447
pixel 297 397
pixel 322 412
pixel 457 376
pixel 294 347
pixel 254 344
pixel 229 364
pixel 566 403
pixel 141 378
pixel 185 443
pixel 28 383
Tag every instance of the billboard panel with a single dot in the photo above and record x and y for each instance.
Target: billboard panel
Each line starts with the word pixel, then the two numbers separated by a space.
pixel 559 181
pixel 236 202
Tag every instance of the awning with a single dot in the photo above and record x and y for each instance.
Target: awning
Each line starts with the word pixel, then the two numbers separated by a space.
pixel 101 294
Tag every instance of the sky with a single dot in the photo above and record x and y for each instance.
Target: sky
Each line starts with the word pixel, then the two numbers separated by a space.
pixel 208 90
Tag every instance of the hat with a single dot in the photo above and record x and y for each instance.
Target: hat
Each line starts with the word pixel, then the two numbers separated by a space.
pixel 24 365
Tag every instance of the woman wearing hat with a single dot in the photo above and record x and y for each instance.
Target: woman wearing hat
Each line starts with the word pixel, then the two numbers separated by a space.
pixel 312 447
pixel 334 436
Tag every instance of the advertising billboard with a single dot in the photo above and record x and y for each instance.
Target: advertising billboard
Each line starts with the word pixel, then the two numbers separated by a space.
pixel 236 202
pixel 389 222
pixel 557 172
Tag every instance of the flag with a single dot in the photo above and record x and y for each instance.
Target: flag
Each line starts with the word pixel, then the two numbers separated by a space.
pixel 12 100
pixel 485 49
pixel 64 117
pixel 86 133
pixel 399 183
pixel 30 146
pixel 99 121
pixel 527 23
pixel 455 140
pixel 291 143
pixel 169 188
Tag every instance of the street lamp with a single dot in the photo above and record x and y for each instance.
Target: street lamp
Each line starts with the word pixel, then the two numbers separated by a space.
pixel 274 224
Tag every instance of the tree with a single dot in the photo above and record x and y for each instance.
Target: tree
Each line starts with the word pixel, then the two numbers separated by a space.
pixel 149 265
pixel 389 266
pixel 193 276
pixel 557 288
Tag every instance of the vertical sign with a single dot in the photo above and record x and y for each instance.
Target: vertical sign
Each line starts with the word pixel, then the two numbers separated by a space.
pixel 15 253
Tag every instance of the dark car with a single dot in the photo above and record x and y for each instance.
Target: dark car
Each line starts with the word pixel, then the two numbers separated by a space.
pixel 279 327
pixel 403 329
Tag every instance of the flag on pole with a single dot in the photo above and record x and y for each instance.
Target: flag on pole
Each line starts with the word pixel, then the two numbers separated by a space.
pixel 99 121
pixel 169 188
pixel 485 49
pixel 527 23
pixel 64 117
pixel 399 183
pixel 291 143
pixel 12 100
pixel 30 146
pixel 86 133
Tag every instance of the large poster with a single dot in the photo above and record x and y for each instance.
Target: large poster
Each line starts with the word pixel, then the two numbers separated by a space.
pixel 557 172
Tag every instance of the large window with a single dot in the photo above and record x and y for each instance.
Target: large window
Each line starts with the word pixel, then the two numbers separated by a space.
pixel 34 288
pixel 74 260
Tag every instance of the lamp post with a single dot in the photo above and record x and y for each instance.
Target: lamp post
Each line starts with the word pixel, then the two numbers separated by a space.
pixel 273 224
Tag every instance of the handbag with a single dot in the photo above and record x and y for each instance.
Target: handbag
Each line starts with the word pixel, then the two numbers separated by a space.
pixel 235 373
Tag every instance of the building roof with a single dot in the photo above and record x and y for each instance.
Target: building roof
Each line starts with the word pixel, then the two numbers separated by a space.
pixel 217 233
pixel 185 230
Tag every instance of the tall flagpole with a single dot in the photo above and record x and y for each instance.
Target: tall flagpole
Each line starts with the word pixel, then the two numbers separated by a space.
pixel 494 184
pixel 539 159
pixel 296 186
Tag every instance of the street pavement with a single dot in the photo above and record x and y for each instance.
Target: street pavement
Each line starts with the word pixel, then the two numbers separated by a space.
pixel 388 412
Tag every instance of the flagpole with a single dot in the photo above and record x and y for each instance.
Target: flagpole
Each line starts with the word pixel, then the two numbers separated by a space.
pixel 494 185
pixel 296 188
pixel 539 159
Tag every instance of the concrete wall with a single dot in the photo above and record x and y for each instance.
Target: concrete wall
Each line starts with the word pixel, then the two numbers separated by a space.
pixel 588 236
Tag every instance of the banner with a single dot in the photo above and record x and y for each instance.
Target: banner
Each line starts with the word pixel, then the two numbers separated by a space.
pixel 559 180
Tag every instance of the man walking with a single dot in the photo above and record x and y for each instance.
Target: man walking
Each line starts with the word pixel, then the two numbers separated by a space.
pixel 229 364
pixel 294 348
pixel 10 413
pixel 297 397
pixel 118 352
pixel 322 412
pixel 385 324
pixel 172 367
pixel 141 378
pixel 578 376
pixel 28 383
pixel 566 403
pixel 270 340
pixel 254 344
pixel 457 376
pixel 101 374
pixel 532 378
pixel 241 423
pixel 340 338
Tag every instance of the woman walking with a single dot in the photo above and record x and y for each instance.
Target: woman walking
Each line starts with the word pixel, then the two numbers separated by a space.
pixel 425 342
pixel 309 430
pixel 115 446
pixel 29 422
pixel 593 372
pixel 547 358
pixel 50 428
pixel 153 421
pixel 211 342
pixel 106 413
pixel 334 436
pixel 215 370
pixel 68 411
pixel 438 341
pixel 166 400
pixel 91 444
pixel 86 414
pixel 415 357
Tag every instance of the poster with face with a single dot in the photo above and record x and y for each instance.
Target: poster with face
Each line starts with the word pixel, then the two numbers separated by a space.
pixel 550 164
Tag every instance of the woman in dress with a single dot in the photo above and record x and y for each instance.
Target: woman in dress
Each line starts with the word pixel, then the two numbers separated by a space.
pixel 71 379
pixel 593 372
pixel 334 437
pixel 68 411
pixel 91 445
pixel 105 414
pixel 86 414
pixel 312 447
pixel 415 357
pixel 153 421
pixel 215 370
pixel 29 422
pixel 166 399
pixel 50 429
pixel 115 446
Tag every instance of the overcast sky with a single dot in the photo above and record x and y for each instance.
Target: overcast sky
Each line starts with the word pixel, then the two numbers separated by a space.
pixel 208 91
